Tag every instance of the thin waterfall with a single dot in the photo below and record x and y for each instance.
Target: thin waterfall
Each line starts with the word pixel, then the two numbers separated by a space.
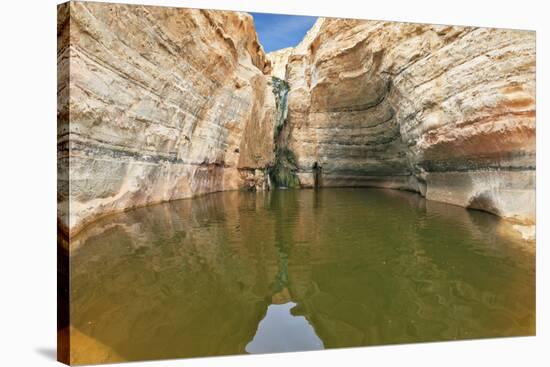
pixel 283 172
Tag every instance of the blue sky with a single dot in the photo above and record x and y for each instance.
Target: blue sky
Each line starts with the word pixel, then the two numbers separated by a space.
pixel 278 31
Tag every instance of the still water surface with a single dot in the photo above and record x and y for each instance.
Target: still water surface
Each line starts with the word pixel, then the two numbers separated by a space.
pixel 242 272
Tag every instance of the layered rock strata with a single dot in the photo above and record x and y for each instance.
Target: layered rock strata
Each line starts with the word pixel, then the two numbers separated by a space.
pixel 446 111
pixel 158 104
pixel 278 60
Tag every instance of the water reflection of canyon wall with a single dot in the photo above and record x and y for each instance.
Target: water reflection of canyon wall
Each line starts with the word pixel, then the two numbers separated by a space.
pixel 174 280
pixel 195 277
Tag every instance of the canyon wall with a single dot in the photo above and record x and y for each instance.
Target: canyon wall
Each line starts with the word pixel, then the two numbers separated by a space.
pixel 446 111
pixel 157 104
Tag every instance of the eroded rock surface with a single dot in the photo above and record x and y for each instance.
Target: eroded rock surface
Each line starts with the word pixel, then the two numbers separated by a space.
pixel 158 104
pixel 161 104
pixel 446 111
pixel 278 60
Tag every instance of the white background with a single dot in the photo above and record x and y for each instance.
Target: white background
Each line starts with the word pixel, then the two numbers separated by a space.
pixel 28 182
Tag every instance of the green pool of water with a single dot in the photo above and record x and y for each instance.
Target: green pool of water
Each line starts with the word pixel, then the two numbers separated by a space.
pixel 243 272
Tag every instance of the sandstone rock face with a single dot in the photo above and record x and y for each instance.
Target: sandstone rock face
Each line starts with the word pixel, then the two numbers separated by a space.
pixel 278 60
pixel 446 111
pixel 157 104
